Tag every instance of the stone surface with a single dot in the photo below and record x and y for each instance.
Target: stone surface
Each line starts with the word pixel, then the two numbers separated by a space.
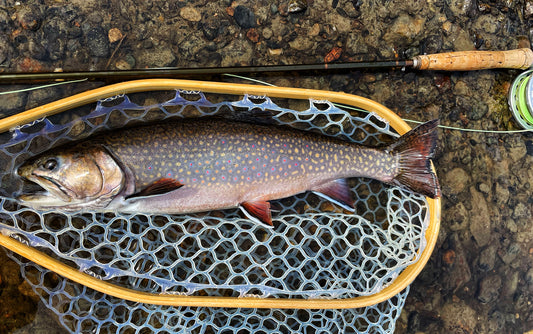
pixel 97 42
pixel 455 181
pixel 190 14
pixel 480 221
pixel 489 289
pixel 244 17
pixel 160 57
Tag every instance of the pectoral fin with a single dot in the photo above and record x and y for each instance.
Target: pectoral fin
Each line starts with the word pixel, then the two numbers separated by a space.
pixel 259 210
pixel 159 187
pixel 336 191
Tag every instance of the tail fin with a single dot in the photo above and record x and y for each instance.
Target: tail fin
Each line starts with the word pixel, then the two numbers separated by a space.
pixel 415 149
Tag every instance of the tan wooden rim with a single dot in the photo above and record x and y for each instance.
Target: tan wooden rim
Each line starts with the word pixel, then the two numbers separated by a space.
pixel 399 284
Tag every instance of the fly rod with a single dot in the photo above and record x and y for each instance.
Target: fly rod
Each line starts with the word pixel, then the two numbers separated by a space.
pixel 450 61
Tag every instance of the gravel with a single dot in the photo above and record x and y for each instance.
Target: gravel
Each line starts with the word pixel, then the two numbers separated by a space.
pixel 480 276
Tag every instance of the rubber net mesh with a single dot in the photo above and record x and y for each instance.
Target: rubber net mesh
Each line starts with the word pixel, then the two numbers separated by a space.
pixel 315 250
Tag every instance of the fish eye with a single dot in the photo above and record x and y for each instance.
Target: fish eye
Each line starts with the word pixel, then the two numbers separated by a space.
pixel 50 164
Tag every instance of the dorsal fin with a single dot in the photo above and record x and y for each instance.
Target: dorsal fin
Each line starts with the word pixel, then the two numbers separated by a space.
pixel 259 210
pixel 158 187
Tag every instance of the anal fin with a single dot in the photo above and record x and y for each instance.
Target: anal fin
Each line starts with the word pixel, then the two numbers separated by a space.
pixel 159 187
pixel 336 191
pixel 259 210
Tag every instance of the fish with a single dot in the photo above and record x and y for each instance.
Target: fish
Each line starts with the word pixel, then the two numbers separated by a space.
pixel 201 165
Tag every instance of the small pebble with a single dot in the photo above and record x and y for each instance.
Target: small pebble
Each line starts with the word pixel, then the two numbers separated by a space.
pixel 297 6
pixel 97 42
pixel 267 33
pixel 244 17
pixel 315 30
pixel 252 35
pixel 29 18
pixel 448 257
pixel 275 52
pixel 190 14
pixel 489 289
pixel 121 64
pixel 114 35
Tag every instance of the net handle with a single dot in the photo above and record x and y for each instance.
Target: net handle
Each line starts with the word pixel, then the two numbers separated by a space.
pixel 399 284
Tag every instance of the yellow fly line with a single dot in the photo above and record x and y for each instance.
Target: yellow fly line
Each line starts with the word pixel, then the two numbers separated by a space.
pixel 398 285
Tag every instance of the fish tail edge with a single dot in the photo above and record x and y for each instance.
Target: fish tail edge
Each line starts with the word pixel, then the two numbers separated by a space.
pixel 415 150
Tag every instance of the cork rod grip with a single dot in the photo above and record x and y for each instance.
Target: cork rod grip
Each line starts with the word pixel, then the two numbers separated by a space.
pixel 475 60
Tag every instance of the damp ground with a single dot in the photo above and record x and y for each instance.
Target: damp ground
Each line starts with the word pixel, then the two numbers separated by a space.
pixel 480 276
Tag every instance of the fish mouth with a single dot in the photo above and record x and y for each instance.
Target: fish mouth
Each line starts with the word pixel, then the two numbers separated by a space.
pixel 53 194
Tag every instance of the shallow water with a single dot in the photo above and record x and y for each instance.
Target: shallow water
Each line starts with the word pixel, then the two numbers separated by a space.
pixel 480 277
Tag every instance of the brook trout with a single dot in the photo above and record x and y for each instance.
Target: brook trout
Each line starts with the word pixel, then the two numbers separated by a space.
pixel 201 165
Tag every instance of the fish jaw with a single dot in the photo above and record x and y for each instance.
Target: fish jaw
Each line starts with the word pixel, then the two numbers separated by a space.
pixel 80 179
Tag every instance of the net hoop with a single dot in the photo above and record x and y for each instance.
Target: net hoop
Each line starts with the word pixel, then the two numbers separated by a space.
pixel 399 284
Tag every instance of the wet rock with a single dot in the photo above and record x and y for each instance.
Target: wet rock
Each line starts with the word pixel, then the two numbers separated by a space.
pixel 13 102
pixel 30 65
pixel 5 49
pixel 5 20
pixel 462 41
pixel 458 217
pixel 458 312
pixel 244 17
pixel 301 43
pixel 528 9
pixel 484 188
pixel 457 271
pixel 496 322
pixel 29 17
pixel 114 35
pixel 489 289
pixel 521 211
pixel 237 52
pixel 339 23
pixel 37 50
pixel 267 33
pixel 510 253
pixel 190 47
pixel 406 28
pixel 41 96
pixel 432 44
pixel 529 276
pixel 480 222
pixel 122 64
pixel 487 257
pixel 518 150
pixel 501 194
pixel 314 30
pixel 487 23
pixel 476 110
pixel 349 9
pixel 211 28
pixel 510 284
pixel 460 8
pixel 252 35
pixel 159 57
pixel 97 42
pixel 297 6
pixel 54 38
pixel 190 14
pixel 455 181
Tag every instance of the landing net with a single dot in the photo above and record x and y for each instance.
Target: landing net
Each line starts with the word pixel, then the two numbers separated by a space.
pixel 315 250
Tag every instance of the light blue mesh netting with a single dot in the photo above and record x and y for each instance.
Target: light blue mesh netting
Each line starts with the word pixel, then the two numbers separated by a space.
pixel 316 250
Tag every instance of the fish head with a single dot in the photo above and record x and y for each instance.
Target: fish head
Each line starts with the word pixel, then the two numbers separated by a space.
pixel 73 179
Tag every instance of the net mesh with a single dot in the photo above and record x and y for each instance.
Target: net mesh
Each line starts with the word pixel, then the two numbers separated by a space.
pixel 315 250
